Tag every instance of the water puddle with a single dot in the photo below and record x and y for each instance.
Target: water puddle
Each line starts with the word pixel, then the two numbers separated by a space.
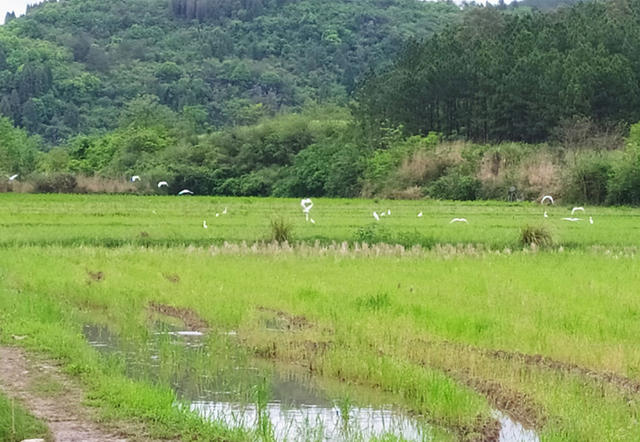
pixel 222 383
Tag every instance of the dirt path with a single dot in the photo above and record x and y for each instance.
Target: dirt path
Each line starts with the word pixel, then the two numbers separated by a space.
pixel 56 400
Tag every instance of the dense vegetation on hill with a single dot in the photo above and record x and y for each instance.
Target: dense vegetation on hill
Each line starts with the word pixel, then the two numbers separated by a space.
pixel 101 91
pixel 69 67
pixel 515 76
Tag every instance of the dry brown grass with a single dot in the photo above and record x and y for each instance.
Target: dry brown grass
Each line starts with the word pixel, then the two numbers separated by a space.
pixel 538 175
pixel 97 184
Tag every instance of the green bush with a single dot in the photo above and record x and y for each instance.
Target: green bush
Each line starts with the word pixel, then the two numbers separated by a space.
pixel 281 230
pixel 455 185
pixel 588 178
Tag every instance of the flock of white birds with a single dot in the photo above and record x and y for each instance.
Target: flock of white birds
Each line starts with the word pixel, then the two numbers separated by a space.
pixel 307 205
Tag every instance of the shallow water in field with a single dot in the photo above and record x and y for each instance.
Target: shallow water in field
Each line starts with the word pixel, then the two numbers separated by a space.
pixel 220 383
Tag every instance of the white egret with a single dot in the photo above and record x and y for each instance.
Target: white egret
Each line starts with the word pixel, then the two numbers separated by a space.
pixel 420 215
pixel 204 224
pixel 312 220
pixel 375 215
pixel 185 192
pixel 162 184
pixel 590 220
pixel 388 211
pixel 572 219
pixel 575 209
pixel 545 214
pixel 13 177
pixel 306 204
pixel 546 197
pixel 135 178
pixel 459 220
pixel 224 212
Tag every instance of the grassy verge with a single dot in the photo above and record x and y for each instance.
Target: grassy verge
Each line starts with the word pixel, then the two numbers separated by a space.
pixel 17 424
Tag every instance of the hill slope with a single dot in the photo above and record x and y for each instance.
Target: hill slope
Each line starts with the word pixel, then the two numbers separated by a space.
pixel 68 67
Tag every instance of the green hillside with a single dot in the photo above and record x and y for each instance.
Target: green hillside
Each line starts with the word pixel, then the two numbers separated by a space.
pixel 68 67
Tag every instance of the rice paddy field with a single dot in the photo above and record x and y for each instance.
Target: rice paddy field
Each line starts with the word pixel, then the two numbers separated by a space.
pixel 406 328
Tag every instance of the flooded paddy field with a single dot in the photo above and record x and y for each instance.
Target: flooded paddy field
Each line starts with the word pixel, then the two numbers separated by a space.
pixel 324 340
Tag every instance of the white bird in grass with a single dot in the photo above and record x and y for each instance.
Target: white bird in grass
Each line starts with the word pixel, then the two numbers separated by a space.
pixel 388 211
pixel 135 178
pixel 375 215
pixel 420 215
pixel 546 197
pixel 185 192
pixel 312 220
pixel 459 220
pixel 590 220
pixel 13 177
pixel 217 215
pixel 575 209
pixel 306 204
pixel 545 214
pixel 162 184
pixel 204 224
pixel 572 219
pixel 224 212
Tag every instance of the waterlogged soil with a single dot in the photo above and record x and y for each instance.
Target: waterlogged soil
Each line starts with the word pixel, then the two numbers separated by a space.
pixel 58 401
pixel 227 387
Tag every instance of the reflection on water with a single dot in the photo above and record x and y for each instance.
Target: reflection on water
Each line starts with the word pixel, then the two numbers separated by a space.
pixel 223 384
pixel 514 431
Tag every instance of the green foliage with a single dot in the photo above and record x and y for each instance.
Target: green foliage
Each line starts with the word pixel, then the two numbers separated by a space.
pixel 67 68
pixel 455 185
pixel 588 178
pixel 18 151
pixel 500 76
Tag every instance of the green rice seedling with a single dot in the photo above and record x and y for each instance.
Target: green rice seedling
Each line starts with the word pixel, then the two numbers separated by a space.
pixel 281 230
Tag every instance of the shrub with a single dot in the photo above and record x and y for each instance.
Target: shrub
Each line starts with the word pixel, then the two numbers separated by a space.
pixel 455 186
pixel 587 179
pixel 538 236
pixel 281 230
pixel 56 183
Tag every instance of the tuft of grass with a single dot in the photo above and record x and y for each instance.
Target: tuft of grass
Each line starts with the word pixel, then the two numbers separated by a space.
pixel 17 424
pixel 281 230
pixel 535 236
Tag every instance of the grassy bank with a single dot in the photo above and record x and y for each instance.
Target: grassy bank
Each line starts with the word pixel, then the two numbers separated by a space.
pixel 17 424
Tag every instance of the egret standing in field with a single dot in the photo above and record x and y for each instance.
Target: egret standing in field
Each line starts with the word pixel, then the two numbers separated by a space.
pixel 204 224
pixel 306 204
pixel 376 216
pixel 545 214
pixel 224 212
pixel 590 220
pixel 420 215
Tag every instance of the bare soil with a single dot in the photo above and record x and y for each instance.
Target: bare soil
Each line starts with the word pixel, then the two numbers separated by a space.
pixel 61 408
pixel 190 318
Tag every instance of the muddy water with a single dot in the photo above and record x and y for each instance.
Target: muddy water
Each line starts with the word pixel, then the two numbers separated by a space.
pixel 221 383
